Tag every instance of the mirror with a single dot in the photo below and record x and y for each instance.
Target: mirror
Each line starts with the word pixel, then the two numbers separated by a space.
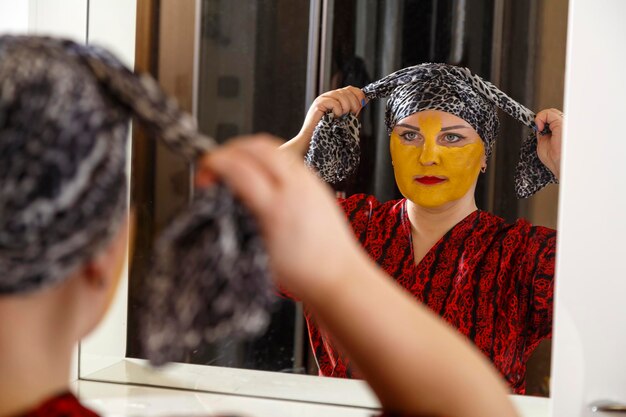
pixel 250 66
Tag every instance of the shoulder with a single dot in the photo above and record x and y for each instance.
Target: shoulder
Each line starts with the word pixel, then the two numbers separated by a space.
pixel 520 225
pixel 358 202
pixel 366 214
pixel 520 233
pixel 365 203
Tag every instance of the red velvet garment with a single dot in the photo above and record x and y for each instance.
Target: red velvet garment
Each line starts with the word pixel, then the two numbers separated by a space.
pixel 491 280
pixel 64 405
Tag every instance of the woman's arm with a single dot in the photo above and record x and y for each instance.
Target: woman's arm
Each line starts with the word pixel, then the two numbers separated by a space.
pixel 342 101
pixel 415 362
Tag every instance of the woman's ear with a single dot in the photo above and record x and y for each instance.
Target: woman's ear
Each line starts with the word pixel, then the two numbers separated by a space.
pixel 94 275
pixel 483 162
pixel 103 272
pixel 101 275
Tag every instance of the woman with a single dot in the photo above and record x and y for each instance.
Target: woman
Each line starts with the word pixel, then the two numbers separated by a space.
pixel 64 113
pixel 491 280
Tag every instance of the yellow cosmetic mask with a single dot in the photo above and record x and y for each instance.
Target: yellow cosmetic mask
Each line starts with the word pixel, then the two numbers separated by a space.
pixel 431 174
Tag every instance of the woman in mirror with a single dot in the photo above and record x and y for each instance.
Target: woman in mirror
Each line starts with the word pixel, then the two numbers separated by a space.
pixel 64 115
pixel 491 280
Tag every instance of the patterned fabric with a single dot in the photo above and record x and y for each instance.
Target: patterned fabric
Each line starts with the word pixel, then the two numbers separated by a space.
pixel 64 114
pixel 64 405
pixel 334 149
pixel 491 280
pixel 334 152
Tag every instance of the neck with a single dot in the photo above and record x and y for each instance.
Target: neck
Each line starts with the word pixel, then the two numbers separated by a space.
pixel 428 225
pixel 35 354
pixel 438 220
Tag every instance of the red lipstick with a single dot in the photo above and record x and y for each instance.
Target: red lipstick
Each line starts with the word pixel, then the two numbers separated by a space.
pixel 429 180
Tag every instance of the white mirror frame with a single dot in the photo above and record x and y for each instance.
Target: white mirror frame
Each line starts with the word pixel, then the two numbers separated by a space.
pixel 590 324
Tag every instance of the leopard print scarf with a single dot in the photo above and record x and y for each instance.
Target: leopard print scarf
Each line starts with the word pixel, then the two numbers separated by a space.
pixel 64 115
pixel 334 149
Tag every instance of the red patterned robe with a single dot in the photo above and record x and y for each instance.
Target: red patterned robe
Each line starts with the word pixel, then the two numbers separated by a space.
pixel 491 280
pixel 64 405
pixel 67 405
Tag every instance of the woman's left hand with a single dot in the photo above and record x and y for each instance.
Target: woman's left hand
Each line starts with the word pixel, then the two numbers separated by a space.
pixel 549 145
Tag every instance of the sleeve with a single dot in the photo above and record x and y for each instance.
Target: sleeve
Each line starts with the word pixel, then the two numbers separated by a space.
pixel 358 209
pixel 541 265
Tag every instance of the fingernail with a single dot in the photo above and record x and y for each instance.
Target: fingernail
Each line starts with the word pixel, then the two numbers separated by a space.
pixel 363 103
pixel 206 179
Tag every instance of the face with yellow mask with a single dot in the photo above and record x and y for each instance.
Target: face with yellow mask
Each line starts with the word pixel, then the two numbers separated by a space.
pixel 436 158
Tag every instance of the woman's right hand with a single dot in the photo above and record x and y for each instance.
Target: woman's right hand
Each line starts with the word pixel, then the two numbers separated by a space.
pixel 341 101
pixel 307 236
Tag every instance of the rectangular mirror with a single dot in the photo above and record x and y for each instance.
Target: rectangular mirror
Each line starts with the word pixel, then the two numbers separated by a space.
pixel 251 66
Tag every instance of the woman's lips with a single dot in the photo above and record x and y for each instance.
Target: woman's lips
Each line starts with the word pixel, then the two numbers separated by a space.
pixel 426 180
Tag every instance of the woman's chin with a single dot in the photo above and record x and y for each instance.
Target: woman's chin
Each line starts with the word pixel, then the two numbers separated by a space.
pixel 433 204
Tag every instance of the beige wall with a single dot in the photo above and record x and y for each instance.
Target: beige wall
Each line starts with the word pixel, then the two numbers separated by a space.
pixel 542 208
pixel 550 75
pixel 176 45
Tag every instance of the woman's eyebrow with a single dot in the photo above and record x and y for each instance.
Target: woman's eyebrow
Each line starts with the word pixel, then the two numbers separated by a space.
pixel 445 129
pixel 408 126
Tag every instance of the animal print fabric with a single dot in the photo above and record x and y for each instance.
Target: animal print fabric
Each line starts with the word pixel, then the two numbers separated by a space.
pixel 334 152
pixel 64 115
pixel 430 87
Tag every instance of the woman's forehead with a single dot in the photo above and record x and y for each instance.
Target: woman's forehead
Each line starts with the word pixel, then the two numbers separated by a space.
pixel 445 118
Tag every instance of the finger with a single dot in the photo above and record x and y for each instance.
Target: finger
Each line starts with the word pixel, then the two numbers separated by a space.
pixel 361 97
pixel 331 103
pixel 249 181
pixel 263 149
pixel 204 176
pixel 346 102
pixel 548 116
pixel 355 100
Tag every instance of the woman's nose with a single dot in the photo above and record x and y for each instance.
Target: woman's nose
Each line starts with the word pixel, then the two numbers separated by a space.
pixel 430 154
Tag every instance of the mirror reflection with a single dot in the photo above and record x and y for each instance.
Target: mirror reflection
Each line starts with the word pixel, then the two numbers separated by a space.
pixel 258 65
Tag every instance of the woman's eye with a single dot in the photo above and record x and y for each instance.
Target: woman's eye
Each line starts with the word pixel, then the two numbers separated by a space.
pixel 409 136
pixel 452 138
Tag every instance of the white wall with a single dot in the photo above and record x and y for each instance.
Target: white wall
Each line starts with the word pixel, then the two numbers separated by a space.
pixel 590 315
pixel 14 16
pixel 111 25
pixel 108 23
pixel 63 18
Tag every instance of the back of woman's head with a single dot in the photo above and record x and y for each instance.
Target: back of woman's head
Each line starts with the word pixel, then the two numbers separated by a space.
pixel 62 164
pixel 64 112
